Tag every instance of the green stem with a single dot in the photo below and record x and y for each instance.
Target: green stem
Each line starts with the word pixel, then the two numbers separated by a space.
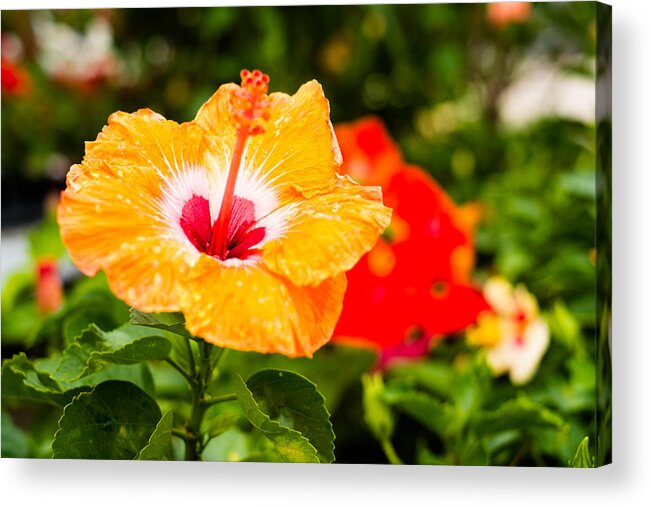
pixel 180 434
pixel 178 368
pixel 193 428
pixel 219 399
pixel 216 357
pixel 199 383
pixel 206 366
pixel 199 378
pixel 193 368
pixel 390 452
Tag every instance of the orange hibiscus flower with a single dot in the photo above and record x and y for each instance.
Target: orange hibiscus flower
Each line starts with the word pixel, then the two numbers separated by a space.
pixel 238 218
pixel 416 281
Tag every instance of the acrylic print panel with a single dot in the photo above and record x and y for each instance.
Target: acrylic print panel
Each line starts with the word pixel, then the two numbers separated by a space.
pixel 351 234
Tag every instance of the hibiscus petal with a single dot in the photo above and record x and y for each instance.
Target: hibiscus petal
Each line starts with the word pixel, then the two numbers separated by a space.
pixel 452 311
pixel 250 308
pixel 327 234
pixel 214 116
pixel 297 155
pixel 527 357
pixel 113 214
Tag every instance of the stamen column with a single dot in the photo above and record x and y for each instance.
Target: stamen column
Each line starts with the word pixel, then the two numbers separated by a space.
pixel 249 106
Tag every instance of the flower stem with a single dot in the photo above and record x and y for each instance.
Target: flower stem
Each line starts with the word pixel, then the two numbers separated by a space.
pixel 193 443
pixel 178 368
pixel 193 368
pixel 216 357
pixel 199 384
pixel 180 434
pixel 390 452
pixel 219 399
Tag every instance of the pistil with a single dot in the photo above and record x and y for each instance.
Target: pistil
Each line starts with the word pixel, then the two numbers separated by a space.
pixel 249 105
pixel 219 240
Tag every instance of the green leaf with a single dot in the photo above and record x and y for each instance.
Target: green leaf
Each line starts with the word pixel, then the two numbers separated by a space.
pixel 499 441
pixel 15 443
pixel 433 376
pixel 113 421
pixel 95 305
pixel 125 345
pixel 582 458
pixel 267 456
pixel 471 451
pixel 218 424
pixel 565 328
pixel 290 444
pixel 174 325
pixel 377 414
pixel 570 395
pixel 558 444
pixel 159 440
pixel 470 387
pixel 336 369
pixel 24 321
pixel 439 417
pixel 518 413
pixel 424 456
pixel 95 293
pixel 171 322
pixel 579 183
pixel 45 239
pixel 138 374
pixel 33 380
pixel 22 379
pixel 295 402
pixel 235 444
pixel 17 289
pixel 89 308
pixel 20 315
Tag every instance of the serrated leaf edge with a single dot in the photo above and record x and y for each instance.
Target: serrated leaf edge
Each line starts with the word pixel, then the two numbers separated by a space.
pixel 149 442
pixel 244 389
pixel 319 394
pixel 97 355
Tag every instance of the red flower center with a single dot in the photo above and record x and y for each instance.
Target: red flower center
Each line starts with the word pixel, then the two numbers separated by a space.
pixel 241 236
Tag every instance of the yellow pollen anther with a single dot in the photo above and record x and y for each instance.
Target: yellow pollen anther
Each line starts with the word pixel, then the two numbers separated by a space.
pixel 249 103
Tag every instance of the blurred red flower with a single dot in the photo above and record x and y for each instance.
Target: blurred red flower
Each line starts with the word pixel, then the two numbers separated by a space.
pixel 415 283
pixel 15 79
pixel 49 288
pixel 370 155
pixel 503 13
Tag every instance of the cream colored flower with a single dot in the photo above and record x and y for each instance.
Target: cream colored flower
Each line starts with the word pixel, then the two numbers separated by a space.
pixel 514 335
